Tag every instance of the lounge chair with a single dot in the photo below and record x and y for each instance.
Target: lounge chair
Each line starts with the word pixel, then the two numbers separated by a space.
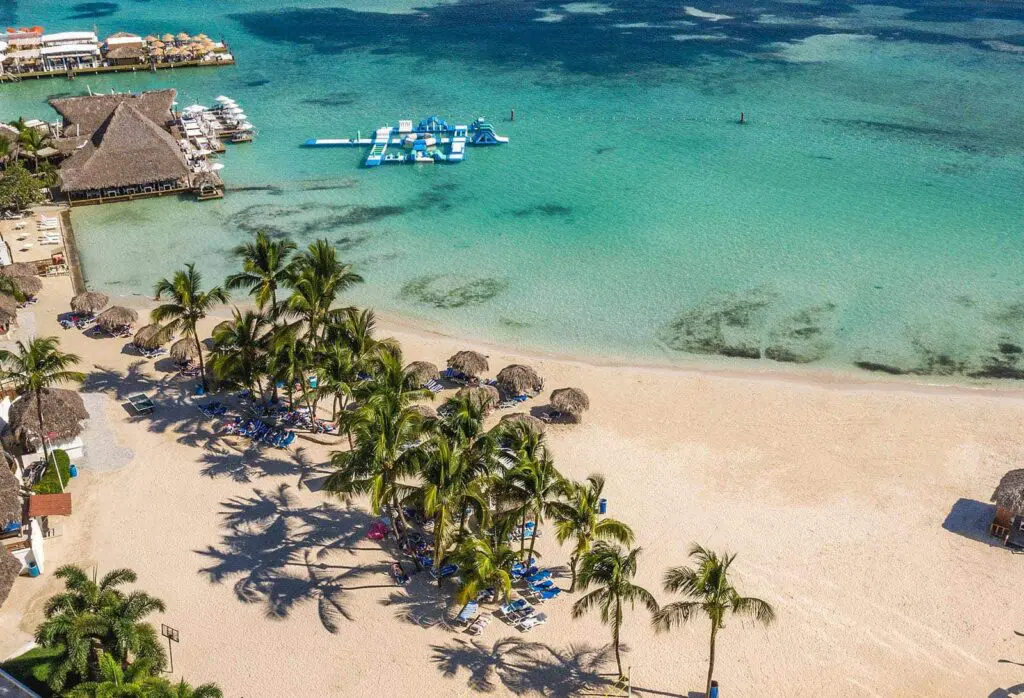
pixel 445 571
pixel 477 626
pixel 546 594
pixel 468 613
pixel 541 586
pixel 538 576
pixel 141 403
pixel 513 607
pixel 528 624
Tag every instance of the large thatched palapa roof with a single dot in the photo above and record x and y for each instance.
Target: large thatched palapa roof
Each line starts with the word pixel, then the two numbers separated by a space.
pixel 570 400
pixel 27 285
pixel 419 372
pixel 184 350
pixel 9 570
pixel 87 113
pixel 116 316
pixel 528 421
pixel 89 302
pixel 149 337
pixel 484 396
pixel 519 380
pixel 128 149
pixel 19 269
pixel 425 411
pixel 63 410
pixel 11 506
pixel 8 310
pixel 471 363
pixel 1010 492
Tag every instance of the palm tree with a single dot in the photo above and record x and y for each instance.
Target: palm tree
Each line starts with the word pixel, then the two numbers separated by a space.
pixel 578 518
pixel 129 634
pixel 266 267
pixel 189 304
pixel 483 566
pixel 182 689
pixel 116 681
pixel 711 593
pixel 318 279
pixel 33 141
pixel 289 361
pixel 9 287
pixel 36 367
pixel 335 376
pixel 240 350
pixel 535 486
pixel 611 570
pixel 356 331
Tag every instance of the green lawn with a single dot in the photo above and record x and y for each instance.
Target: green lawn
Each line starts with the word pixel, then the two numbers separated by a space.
pixel 33 668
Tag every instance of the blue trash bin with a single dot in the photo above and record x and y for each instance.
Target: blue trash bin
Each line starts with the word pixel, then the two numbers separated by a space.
pixel 200 390
pixel 73 470
pixel 714 690
pixel 602 505
pixel 33 569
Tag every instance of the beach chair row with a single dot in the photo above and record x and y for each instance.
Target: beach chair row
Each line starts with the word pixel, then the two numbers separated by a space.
pixel 261 432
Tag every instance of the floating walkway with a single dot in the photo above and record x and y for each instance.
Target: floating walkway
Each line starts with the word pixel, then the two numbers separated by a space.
pixel 432 140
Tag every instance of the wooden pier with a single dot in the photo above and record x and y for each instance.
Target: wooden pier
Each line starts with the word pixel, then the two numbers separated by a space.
pixel 152 67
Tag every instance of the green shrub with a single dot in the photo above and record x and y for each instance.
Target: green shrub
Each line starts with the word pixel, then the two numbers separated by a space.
pixel 49 483
pixel 33 668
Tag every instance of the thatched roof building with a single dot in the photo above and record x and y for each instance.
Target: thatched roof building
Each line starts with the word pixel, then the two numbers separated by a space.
pixel 27 285
pixel 8 310
pixel 526 420
pixel 127 143
pixel 19 269
pixel 485 397
pixel 116 316
pixel 63 410
pixel 11 506
pixel 572 401
pixel 89 302
pixel 184 350
pixel 471 363
pixel 9 570
pixel 519 380
pixel 419 372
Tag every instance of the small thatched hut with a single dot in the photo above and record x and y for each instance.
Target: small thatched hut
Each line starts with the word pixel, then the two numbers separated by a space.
pixel 470 363
pixel 184 350
pixel 149 337
pixel 27 285
pixel 1008 523
pixel 63 410
pixel 19 269
pixel 484 396
pixel 9 570
pixel 421 372
pixel 528 421
pixel 519 380
pixel 89 302
pixel 116 317
pixel 572 401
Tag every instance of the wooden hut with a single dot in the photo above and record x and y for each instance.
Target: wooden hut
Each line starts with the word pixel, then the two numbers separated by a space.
pixel 1008 524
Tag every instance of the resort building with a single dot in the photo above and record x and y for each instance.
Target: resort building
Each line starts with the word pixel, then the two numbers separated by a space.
pixel 69 50
pixel 119 147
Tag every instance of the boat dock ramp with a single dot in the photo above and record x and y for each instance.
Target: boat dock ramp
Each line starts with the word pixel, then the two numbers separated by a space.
pixel 432 140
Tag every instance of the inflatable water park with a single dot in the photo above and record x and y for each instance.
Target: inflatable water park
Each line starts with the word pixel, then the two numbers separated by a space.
pixel 432 140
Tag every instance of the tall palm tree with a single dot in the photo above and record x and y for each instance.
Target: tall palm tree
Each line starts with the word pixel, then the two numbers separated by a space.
pixel 336 376
pixel 33 141
pixel 117 681
pixel 182 689
pixel 483 566
pixel 37 366
pixel 710 593
pixel 129 635
pixel 611 570
pixel 357 330
pixel 289 361
pixel 318 279
pixel 578 518
pixel 188 304
pixel 267 266
pixel 240 350
pixel 384 455
pixel 535 486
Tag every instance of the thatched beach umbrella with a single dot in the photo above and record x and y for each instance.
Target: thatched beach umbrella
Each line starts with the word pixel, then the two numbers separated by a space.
pixel 519 380
pixel 471 363
pixel 10 497
pixel 19 269
pixel 150 39
pixel 420 372
pixel 89 302
pixel 1010 492
pixel 8 310
pixel 116 316
pixel 184 350
pixel 9 570
pixel 167 38
pixel 182 36
pixel 27 285
pixel 529 421
pixel 483 396
pixel 149 337
pixel 62 412
pixel 201 37
pixel 425 411
pixel 158 44
pixel 571 401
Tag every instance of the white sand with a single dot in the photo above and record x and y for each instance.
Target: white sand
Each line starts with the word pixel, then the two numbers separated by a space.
pixel 833 492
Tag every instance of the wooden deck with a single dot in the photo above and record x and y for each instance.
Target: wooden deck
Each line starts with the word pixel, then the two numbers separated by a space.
pixel 163 65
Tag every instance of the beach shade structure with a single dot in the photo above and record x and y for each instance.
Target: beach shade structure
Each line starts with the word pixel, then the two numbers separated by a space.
pixel 201 37
pixel 89 302
pixel 425 411
pixel 470 363
pixel 27 285
pixel 10 568
pixel 526 420
pixel 420 372
pixel 8 310
pixel 63 411
pixel 116 316
pixel 182 36
pixel 572 401
pixel 157 44
pixel 150 337
pixel 485 397
pixel 184 351
pixel 519 380
pixel 167 38
pixel 150 39
pixel 19 269
pixel 11 505
pixel 1009 499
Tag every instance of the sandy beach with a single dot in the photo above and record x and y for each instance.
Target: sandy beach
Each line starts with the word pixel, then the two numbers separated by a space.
pixel 858 508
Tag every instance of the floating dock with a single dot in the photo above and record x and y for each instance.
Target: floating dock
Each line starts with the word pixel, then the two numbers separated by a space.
pixel 432 140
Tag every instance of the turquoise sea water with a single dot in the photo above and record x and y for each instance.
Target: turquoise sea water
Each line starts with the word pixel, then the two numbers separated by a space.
pixel 870 211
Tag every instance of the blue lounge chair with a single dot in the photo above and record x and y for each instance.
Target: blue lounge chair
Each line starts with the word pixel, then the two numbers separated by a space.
pixel 468 613
pixel 541 586
pixel 548 594
pixel 539 576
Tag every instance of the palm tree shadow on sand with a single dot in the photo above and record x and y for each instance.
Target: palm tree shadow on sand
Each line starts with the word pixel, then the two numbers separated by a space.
pixel 277 555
